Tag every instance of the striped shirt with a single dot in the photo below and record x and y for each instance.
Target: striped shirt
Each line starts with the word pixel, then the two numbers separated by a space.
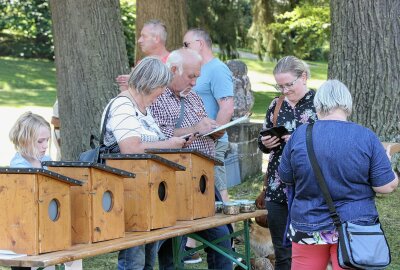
pixel 166 111
pixel 126 120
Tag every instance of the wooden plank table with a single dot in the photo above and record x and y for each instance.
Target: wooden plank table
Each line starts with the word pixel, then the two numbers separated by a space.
pixel 132 239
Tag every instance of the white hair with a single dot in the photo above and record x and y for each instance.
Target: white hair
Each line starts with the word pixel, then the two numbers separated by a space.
pixel 332 95
pixel 158 28
pixel 176 58
pixel 149 74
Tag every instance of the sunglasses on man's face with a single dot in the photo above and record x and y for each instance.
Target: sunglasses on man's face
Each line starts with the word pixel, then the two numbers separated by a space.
pixel 186 44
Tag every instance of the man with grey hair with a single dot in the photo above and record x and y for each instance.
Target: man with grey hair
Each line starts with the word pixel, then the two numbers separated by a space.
pixel 167 111
pixel 215 87
pixel 152 40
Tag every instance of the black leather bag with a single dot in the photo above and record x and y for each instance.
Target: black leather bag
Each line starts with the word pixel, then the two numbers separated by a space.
pixel 93 155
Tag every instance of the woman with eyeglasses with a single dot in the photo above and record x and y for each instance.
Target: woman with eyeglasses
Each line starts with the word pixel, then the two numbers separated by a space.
pixel 293 108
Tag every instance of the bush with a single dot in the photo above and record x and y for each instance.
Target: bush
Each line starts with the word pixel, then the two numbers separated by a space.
pixel 304 32
pixel 25 29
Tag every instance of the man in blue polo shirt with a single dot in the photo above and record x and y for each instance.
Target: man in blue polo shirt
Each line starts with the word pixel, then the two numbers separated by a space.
pixel 215 87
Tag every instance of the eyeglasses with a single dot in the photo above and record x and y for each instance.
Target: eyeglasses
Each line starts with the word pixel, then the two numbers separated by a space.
pixel 186 44
pixel 287 86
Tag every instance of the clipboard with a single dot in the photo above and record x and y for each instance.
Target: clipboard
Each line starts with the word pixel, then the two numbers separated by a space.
pixel 230 124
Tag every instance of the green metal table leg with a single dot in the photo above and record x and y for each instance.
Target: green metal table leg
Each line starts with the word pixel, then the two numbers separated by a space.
pixel 60 266
pixel 230 254
pixel 176 242
pixel 246 235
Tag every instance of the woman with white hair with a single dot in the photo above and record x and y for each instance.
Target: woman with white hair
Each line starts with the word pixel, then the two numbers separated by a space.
pixel 355 167
pixel 129 121
pixel 131 126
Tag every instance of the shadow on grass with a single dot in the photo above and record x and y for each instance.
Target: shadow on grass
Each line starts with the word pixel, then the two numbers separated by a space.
pixel 27 97
pixel 27 82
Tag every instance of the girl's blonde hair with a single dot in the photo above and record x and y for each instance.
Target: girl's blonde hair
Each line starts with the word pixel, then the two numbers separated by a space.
pixel 25 133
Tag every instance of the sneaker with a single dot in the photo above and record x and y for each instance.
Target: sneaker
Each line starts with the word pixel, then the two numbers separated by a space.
pixel 192 257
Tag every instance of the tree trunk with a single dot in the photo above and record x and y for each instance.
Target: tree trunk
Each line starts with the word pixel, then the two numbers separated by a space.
pixel 90 52
pixel 365 56
pixel 171 12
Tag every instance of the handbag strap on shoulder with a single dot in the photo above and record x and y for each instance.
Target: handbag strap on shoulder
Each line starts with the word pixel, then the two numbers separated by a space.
pixel 277 109
pixel 103 125
pixel 320 177
pixel 274 120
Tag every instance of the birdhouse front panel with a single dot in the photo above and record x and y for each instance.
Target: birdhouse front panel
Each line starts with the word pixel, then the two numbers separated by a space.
pixel 107 205
pixel 54 215
pixel 81 213
pixel 163 195
pixel 19 213
pixel 150 199
pixel 195 185
pixel 136 194
pixel 35 210
pixel 102 217
pixel 203 187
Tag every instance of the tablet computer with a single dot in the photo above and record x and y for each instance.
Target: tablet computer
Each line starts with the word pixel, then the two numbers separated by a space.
pixel 275 131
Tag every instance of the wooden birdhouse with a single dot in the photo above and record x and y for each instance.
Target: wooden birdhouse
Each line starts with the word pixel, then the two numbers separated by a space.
pixel 150 200
pixel 35 210
pixel 97 205
pixel 195 185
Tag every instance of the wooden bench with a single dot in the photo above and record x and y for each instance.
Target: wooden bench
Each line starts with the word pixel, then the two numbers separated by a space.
pixel 132 239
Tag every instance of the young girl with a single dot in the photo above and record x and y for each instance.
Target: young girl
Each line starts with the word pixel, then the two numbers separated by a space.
pixel 30 136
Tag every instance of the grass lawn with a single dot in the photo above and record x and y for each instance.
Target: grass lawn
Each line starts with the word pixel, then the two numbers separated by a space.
pixel 27 82
pixel 32 83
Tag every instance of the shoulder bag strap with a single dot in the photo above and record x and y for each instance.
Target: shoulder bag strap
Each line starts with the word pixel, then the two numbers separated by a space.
pixel 274 119
pixel 180 120
pixel 320 177
pixel 321 182
pixel 103 125
pixel 277 109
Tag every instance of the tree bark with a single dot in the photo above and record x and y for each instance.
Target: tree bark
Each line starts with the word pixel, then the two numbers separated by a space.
pixel 365 55
pixel 171 12
pixel 90 52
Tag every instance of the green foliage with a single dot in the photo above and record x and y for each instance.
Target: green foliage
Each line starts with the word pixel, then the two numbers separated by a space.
pixel 303 32
pixel 300 28
pixel 227 22
pixel 128 18
pixel 25 29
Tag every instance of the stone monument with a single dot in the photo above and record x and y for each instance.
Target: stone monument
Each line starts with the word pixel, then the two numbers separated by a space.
pixel 244 159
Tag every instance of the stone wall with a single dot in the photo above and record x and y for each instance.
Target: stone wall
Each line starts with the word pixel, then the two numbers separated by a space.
pixel 243 153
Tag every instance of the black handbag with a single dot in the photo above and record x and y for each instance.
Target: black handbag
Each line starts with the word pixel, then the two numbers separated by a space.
pixel 93 155
pixel 359 246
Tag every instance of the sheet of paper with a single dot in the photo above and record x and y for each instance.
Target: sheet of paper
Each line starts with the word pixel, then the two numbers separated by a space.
pixel 8 254
pixel 232 123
